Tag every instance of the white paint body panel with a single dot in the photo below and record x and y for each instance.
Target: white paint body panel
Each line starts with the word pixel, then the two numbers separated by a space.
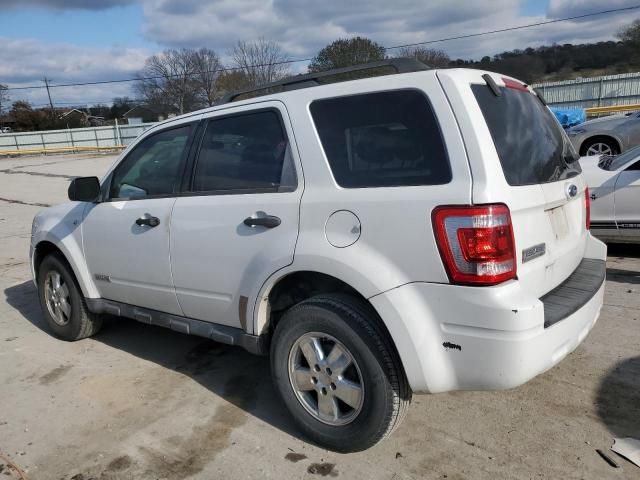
pixel 207 260
pixel 135 258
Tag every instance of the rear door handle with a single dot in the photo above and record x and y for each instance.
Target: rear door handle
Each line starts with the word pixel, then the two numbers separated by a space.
pixel 268 221
pixel 148 220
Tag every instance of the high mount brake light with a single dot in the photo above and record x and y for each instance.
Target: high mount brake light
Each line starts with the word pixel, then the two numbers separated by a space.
pixel 514 85
pixel 476 243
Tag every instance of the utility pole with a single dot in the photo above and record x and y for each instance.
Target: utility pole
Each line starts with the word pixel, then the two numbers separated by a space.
pixel 53 113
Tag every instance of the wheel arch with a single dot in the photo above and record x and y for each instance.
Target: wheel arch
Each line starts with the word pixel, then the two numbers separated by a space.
pixel 50 246
pixel 294 286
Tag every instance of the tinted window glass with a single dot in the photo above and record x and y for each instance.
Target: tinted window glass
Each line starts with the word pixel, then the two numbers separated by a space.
pixel 530 143
pixel 244 152
pixel 382 139
pixel 152 167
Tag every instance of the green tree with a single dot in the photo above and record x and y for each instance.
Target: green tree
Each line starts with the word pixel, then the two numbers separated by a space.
pixel 28 119
pixel 346 52
pixel 428 56
pixel 230 81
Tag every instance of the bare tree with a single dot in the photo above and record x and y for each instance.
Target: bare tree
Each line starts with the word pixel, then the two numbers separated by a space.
pixel 260 61
pixel 433 58
pixel 207 67
pixel 168 81
pixel 4 98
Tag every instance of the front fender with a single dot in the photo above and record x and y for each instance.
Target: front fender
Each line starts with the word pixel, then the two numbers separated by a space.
pixel 61 226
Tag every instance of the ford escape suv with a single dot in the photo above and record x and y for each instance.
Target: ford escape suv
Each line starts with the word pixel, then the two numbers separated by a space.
pixel 420 231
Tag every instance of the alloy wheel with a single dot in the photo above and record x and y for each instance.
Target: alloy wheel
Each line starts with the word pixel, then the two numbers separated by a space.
pixel 599 148
pixel 57 298
pixel 326 378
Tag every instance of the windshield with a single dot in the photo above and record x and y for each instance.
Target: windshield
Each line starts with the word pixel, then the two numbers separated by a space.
pixel 612 163
pixel 531 145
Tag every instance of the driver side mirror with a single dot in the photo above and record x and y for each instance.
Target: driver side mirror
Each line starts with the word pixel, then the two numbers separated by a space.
pixel 84 189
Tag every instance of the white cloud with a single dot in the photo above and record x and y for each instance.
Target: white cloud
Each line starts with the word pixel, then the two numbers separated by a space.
pixel 26 62
pixel 304 26
pixel 65 4
pixel 301 27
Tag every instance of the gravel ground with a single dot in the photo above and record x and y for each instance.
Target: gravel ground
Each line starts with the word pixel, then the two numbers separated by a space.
pixel 142 402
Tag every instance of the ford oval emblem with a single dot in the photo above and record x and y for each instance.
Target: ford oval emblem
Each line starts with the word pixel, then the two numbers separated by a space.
pixel 572 191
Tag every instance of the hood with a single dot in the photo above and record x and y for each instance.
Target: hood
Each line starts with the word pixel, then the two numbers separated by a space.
pixel 605 123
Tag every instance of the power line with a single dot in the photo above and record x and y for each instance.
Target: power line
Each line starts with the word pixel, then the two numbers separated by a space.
pixel 510 29
pixel 298 60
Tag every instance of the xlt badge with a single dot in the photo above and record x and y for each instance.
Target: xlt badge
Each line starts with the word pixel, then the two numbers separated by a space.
pixel 533 252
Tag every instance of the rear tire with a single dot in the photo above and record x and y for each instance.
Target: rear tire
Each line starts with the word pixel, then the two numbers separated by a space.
pixel 63 305
pixel 373 384
pixel 599 146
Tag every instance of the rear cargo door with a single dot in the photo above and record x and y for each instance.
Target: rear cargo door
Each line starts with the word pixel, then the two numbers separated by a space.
pixel 520 156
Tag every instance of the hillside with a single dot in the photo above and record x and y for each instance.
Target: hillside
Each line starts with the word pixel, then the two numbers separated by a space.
pixel 561 62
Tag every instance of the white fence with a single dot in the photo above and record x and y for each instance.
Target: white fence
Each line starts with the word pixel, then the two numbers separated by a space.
pixel 110 136
pixel 623 89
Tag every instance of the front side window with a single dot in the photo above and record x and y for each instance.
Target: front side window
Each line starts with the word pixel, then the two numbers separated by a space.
pixel 382 139
pixel 153 167
pixel 245 152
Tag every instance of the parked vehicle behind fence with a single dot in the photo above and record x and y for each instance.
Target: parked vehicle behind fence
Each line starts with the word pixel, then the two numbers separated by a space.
pixel 607 135
pixel 424 231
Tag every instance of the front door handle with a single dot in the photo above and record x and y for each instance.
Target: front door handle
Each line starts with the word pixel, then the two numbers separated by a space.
pixel 268 221
pixel 148 220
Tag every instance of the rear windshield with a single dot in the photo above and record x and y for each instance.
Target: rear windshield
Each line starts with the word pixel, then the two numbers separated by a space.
pixel 382 139
pixel 530 143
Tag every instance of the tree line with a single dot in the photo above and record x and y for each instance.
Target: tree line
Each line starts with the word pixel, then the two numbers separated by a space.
pixel 177 81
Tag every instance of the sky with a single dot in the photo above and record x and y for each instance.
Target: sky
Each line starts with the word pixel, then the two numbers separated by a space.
pixel 71 41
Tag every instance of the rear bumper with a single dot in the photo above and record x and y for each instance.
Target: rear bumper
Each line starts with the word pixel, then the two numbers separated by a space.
pixel 473 338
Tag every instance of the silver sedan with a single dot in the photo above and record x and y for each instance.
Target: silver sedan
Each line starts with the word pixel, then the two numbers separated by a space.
pixel 614 187
pixel 607 135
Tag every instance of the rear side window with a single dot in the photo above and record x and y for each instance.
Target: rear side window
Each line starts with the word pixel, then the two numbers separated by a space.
pixel 530 143
pixel 383 139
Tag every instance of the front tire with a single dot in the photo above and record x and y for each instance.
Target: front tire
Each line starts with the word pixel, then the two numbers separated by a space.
pixel 338 373
pixel 63 305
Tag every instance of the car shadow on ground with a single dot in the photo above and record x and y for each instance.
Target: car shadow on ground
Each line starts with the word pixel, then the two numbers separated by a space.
pixel 623 250
pixel 618 399
pixel 229 372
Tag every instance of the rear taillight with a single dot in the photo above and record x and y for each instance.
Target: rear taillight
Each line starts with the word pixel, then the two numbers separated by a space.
pixel 476 243
pixel 587 208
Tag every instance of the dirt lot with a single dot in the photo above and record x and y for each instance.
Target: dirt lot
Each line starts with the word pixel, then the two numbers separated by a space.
pixel 142 402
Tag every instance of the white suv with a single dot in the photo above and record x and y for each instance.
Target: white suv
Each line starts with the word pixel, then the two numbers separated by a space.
pixel 424 231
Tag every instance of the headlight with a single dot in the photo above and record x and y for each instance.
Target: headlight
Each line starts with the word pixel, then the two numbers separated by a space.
pixel 575 131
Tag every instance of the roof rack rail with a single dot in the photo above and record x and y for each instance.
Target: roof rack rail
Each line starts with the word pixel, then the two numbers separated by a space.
pixel 400 65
